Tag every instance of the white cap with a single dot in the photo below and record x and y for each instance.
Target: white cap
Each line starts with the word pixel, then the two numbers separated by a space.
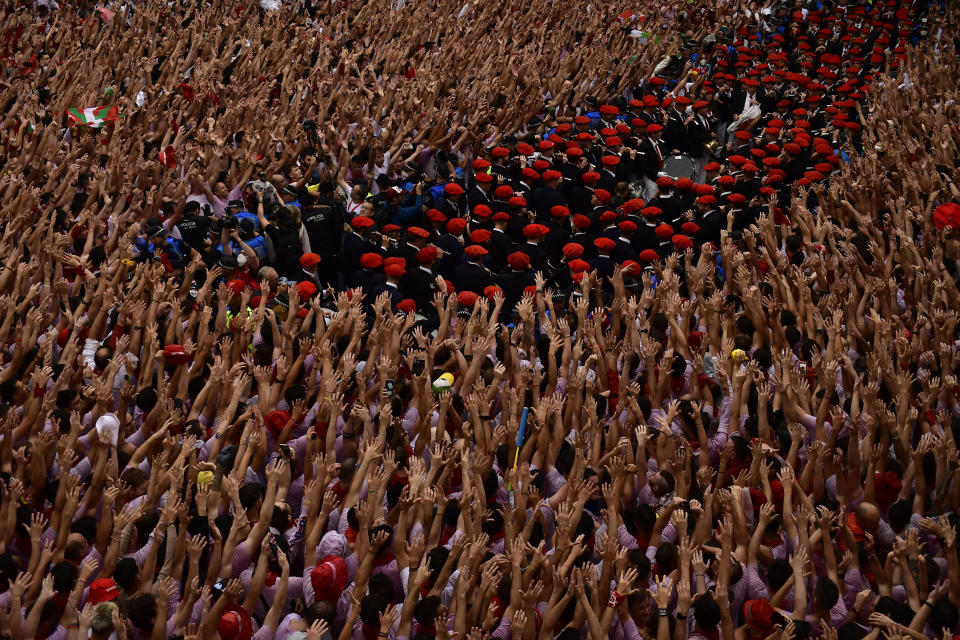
pixel 108 425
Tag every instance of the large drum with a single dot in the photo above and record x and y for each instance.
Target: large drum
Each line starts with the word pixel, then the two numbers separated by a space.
pixel 679 166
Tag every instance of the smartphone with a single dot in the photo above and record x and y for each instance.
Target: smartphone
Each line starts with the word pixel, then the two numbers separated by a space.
pixel 388 386
pixel 284 450
pixel 218 586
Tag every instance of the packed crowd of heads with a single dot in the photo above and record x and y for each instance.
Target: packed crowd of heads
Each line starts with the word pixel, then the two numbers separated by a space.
pixel 409 319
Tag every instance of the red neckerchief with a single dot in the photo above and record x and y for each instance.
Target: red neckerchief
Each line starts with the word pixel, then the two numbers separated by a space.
pixel 710 634
pixel 339 490
pixel 350 534
pixel 384 559
pixel 425 588
pixel 369 632
pixel 271 578
pixel 398 479
pixel 642 542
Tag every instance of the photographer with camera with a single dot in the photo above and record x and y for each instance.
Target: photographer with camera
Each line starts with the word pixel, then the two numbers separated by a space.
pixel 287 239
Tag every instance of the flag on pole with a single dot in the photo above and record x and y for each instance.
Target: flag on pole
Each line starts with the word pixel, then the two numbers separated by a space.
pixel 93 116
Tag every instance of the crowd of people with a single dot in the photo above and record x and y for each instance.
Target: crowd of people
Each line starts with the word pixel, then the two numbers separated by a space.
pixel 407 319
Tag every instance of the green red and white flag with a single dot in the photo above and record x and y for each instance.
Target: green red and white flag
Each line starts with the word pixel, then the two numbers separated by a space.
pixel 93 116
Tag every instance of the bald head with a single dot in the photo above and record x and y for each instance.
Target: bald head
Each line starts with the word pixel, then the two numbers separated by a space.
pixel 868 516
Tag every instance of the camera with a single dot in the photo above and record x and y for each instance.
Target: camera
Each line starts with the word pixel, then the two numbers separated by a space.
pixel 260 184
pixel 228 222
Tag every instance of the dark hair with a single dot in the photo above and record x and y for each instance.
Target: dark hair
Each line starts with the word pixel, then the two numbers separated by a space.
pixel 707 611
pixel 141 609
pixel 826 593
pixel 372 605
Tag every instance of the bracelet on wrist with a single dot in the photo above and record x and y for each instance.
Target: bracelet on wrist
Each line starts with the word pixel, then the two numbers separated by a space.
pixel 681 616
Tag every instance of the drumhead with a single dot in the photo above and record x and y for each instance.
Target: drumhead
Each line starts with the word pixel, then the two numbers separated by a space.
pixel 679 166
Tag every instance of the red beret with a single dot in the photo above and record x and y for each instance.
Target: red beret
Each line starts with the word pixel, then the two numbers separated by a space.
pixel 581 120
pixel 581 222
pixel 503 192
pixel 627 226
pixel 418 232
pixel 579 266
pixel 524 149
pixel 528 173
pixel 475 251
pixel 479 236
pixel 501 216
pixel 613 141
pixel 500 152
pixel 456 225
pixel 663 231
pixel 481 211
pixel 609 110
pixel 481 165
pixel 704 190
pixel 575 250
pixel 395 270
pixel 236 287
pixel 649 255
pixel 545 145
pixel 610 161
pixel 690 228
pixel 490 291
pixel 467 299
pixel 664 182
pixel 608 216
pixel 308 260
pixel 427 255
pixel 435 215
pixel 631 267
pixel 406 305
pixel 517 201
pixel 602 195
pixel 518 260
pixel 540 165
pixel 706 200
pixel 736 198
pixel 590 177
pixel 551 175
pixel 391 228
pixel 559 211
pixel 604 244
pixel 305 289
pixel 712 166
pixel 651 212
pixel 453 189
pixel 684 184
pixel 653 128
pixel 371 260
pixel 681 241
pixel 535 231
pixel 483 178
pixel 361 222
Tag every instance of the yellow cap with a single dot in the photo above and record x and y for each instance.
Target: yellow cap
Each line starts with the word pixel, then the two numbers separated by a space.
pixel 738 354
pixel 204 477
